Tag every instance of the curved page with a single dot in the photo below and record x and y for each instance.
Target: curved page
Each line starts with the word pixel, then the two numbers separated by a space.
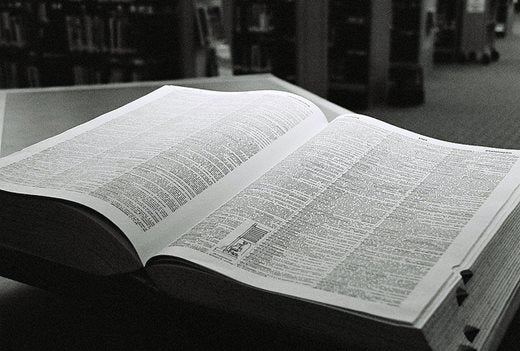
pixel 365 216
pixel 157 166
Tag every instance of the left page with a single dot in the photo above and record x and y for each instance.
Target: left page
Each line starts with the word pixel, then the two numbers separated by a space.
pixel 157 166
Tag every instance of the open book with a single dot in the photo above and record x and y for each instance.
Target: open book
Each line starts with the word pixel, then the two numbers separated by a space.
pixel 251 202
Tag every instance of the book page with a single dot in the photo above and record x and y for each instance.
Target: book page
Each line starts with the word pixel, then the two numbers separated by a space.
pixel 3 97
pixel 365 216
pixel 157 166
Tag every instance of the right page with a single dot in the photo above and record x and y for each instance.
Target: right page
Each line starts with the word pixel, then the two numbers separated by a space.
pixel 365 216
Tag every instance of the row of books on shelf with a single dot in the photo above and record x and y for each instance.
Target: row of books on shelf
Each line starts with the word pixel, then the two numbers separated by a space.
pixel 278 58
pixel 255 60
pixel 51 71
pixel 92 74
pixel 12 75
pixel 25 4
pixel 120 30
pixel 265 17
pixel 95 34
pixel 12 29
pixel 114 27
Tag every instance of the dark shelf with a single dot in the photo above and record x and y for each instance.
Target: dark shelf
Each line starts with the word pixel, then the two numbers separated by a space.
pixel 349 53
pixel 264 38
pixel 63 42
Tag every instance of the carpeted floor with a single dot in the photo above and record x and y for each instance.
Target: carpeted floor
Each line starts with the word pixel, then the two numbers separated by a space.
pixel 469 103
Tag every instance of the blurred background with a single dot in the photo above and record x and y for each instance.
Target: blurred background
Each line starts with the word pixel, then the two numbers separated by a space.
pixel 357 53
pixel 449 69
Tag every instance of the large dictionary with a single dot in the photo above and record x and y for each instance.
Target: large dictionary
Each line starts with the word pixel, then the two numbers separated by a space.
pixel 251 202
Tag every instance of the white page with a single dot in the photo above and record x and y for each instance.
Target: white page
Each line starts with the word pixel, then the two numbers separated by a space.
pixel 365 216
pixel 3 97
pixel 157 166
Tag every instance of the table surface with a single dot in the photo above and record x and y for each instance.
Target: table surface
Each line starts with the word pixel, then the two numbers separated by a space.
pixel 31 318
